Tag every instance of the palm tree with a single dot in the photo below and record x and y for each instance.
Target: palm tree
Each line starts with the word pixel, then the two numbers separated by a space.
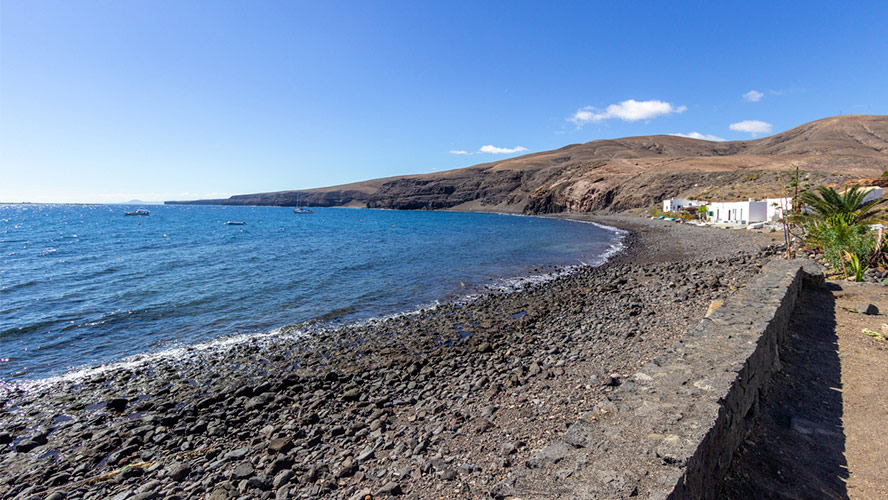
pixel 847 207
pixel 837 224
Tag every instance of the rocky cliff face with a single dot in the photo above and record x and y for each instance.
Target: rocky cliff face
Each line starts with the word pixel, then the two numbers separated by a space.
pixel 615 175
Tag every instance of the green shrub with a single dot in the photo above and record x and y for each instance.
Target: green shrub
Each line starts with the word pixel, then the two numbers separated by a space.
pixel 836 237
pixel 857 267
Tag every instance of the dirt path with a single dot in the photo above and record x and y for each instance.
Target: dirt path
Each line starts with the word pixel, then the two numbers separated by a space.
pixel 864 363
pixel 820 429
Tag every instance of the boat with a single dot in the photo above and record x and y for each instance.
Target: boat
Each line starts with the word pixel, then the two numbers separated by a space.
pixel 300 209
pixel 137 212
pixel 236 223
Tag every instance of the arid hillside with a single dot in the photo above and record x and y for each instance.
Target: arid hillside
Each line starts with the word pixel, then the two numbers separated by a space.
pixel 621 174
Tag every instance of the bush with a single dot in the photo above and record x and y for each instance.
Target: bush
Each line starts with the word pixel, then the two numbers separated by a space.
pixel 837 238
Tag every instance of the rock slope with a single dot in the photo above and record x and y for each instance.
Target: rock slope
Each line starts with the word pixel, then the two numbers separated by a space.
pixel 620 174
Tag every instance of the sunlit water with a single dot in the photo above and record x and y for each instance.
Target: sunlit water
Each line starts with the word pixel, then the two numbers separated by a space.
pixel 83 285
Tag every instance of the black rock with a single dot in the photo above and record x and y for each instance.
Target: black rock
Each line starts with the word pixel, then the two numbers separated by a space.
pixel 389 488
pixel 280 463
pixel 243 471
pixel 282 478
pixel 259 482
pixel 130 472
pixel 26 445
pixel 280 445
pixel 178 471
pixel 116 404
pixel 868 309
pixel 448 474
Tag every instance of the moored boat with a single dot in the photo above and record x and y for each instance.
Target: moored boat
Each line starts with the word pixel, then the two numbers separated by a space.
pixel 137 212
pixel 236 223
pixel 300 209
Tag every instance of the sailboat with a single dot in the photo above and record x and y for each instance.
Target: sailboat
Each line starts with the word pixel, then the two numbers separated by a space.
pixel 300 209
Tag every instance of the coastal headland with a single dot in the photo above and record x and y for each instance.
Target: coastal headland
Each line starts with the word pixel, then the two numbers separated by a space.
pixel 614 175
pixel 441 403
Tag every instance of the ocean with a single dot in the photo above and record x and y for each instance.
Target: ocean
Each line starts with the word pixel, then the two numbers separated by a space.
pixel 85 285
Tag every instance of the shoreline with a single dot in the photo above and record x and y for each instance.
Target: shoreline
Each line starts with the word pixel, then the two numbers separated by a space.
pixel 312 327
pixel 439 403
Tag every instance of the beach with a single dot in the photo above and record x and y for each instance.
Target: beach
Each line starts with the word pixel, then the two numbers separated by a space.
pixel 438 403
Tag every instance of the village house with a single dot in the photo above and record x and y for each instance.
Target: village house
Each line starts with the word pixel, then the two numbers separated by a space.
pixel 679 204
pixel 751 211
pixel 737 212
pixel 777 207
pixel 872 193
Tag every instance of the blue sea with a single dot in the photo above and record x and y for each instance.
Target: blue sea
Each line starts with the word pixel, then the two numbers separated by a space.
pixel 85 285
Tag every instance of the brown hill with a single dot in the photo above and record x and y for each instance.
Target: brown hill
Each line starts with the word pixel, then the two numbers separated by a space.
pixel 620 174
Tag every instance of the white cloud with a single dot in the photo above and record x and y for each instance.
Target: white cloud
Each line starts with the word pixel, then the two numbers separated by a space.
pixel 753 127
pixel 490 150
pixel 498 151
pixel 629 111
pixel 753 96
pixel 698 135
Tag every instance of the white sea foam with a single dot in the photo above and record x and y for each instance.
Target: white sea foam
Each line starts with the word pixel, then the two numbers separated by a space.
pixel 185 353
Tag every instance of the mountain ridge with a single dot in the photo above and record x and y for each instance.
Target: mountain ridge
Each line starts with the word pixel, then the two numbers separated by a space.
pixel 611 175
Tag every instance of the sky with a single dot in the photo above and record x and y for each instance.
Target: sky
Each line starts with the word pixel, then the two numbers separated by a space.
pixel 109 101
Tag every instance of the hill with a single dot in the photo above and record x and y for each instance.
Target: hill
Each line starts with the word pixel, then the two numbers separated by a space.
pixel 621 174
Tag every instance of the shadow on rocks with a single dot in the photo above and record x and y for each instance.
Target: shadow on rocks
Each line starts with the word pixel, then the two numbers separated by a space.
pixel 796 447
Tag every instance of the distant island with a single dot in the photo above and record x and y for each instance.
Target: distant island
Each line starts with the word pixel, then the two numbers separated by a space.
pixel 620 174
pixel 140 202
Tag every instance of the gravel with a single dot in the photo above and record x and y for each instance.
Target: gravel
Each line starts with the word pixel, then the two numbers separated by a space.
pixel 440 403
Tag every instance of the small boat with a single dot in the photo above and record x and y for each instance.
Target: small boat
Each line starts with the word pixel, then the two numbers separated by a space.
pixel 236 223
pixel 137 212
pixel 300 209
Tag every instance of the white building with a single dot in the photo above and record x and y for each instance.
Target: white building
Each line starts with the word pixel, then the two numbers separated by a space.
pixel 872 193
pixel 678 204
pixel 777 207
pixel 738 212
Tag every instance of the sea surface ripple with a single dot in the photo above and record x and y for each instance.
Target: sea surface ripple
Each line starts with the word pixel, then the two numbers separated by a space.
pixel 82 285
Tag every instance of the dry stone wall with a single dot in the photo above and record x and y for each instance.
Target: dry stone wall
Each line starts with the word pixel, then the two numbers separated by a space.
pixel 670 430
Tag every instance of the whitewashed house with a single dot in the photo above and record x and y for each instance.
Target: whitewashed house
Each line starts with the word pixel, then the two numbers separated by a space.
pixel 679 204
pixel 737 212
pixel 872 193
pixel 777 207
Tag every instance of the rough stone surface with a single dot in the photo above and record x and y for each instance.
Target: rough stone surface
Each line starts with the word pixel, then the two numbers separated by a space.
pixel 670 429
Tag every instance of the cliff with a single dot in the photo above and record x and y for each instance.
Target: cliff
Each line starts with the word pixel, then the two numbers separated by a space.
pixel 620 174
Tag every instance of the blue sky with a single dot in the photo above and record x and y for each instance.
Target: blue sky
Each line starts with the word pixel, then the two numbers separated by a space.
pixel 156 100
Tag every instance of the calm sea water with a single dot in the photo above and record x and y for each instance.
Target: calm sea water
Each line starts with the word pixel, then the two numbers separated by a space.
pixel 85 285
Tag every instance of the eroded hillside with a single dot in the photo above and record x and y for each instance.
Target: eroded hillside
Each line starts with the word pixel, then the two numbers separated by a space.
pixel 621 174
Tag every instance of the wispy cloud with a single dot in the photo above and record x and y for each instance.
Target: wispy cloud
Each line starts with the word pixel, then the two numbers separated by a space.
pixel 753 96
pixel 490 149
pixel 698 135
pixel 629 111
pixel 753 127
pixel 502 151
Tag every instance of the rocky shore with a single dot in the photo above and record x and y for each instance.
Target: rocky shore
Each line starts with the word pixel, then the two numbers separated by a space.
pixel 437 404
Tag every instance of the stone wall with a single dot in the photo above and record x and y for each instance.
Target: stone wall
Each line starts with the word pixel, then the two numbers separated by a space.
pixel 671 429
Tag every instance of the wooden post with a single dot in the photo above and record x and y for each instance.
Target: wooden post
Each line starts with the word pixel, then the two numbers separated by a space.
pixel 877 256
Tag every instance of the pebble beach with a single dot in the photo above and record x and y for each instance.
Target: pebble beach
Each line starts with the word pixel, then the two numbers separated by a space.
pixel 438 403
